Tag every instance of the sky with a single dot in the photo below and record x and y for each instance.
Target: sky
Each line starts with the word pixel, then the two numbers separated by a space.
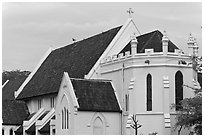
pixel 30 29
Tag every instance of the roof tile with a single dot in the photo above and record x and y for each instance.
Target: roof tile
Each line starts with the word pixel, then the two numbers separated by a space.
pixel 77 59
pixel 95 95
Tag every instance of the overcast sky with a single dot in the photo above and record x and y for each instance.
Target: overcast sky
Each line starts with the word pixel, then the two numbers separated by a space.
pixel 29 29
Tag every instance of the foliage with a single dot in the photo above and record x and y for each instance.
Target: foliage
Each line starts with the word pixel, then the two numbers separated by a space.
pixel 9 75
pixel 190 115
pixel 197 63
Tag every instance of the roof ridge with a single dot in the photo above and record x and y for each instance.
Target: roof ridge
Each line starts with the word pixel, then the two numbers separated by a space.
pixel 153 31
pixel 76 43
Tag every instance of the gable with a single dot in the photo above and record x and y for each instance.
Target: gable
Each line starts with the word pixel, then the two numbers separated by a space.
pixel 77 59
pixel 117 44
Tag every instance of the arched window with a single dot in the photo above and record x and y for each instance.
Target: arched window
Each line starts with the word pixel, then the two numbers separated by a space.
pixel 98 126
pixel 127 102
pixel 178 89
pixel 2 131
pixel 39 103
pixel 11 131
pixel 62 119
pixel 149 92
pixel 67 119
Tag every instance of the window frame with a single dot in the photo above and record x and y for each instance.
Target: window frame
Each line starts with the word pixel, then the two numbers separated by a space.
pixel 52 102
pixel 39 103
pixel 178 90
pixel 3 131
pixel 11 131
pixel 149 105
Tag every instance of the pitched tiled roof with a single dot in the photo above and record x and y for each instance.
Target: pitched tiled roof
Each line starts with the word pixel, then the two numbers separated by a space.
pixel 77 59
pixel 14 112
pixel 152 40
pixel 31 130
pixel 45 129
pixel 19 131
pixel 12 86
pixel 95 95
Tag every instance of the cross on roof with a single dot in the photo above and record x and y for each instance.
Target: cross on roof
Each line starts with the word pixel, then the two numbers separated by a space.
pixel 130 12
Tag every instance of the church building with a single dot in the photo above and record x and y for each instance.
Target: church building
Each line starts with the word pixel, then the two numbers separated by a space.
pixel 95 86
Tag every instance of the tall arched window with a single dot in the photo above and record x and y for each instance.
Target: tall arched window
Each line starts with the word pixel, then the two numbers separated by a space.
pixel 2 131
pixel 149 92
pixel 62 119
pixel 127 102
pixel 98 126
pixel 67 119
pixel 178 89
pixel 11 131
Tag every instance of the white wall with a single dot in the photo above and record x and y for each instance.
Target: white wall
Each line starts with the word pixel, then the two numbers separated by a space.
pixel 45 103
pixel 84 122
pixel 7 128
pixel 160 66
pixel 81 122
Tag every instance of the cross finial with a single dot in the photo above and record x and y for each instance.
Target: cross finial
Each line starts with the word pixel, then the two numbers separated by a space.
pixel 130 12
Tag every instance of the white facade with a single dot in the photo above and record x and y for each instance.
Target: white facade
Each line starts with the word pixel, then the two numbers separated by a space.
pixel 82 122
pixel 129 74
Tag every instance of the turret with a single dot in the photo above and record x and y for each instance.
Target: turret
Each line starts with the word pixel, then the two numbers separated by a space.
pixel 165 41
pixel 192 46
pixel 195 49
pixel 133 43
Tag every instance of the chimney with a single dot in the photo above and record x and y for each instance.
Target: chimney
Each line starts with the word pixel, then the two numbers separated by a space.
pixel 165 41
pixel 133 43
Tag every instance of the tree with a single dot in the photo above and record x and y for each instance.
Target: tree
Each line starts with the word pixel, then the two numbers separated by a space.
pixel 135 124
pixel 9 75
pixel 190 114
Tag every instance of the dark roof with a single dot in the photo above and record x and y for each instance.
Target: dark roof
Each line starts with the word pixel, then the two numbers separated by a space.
pixel 95 95
pixel 14 112
pixel 12 86
pixel 43 115
pixel 152 40
pixel 31 129
pixel 77 59
pixel 45 129
pixel 30 116
pixel 19 131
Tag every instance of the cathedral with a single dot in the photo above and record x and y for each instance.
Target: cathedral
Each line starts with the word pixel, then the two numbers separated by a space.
pixel 95 86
